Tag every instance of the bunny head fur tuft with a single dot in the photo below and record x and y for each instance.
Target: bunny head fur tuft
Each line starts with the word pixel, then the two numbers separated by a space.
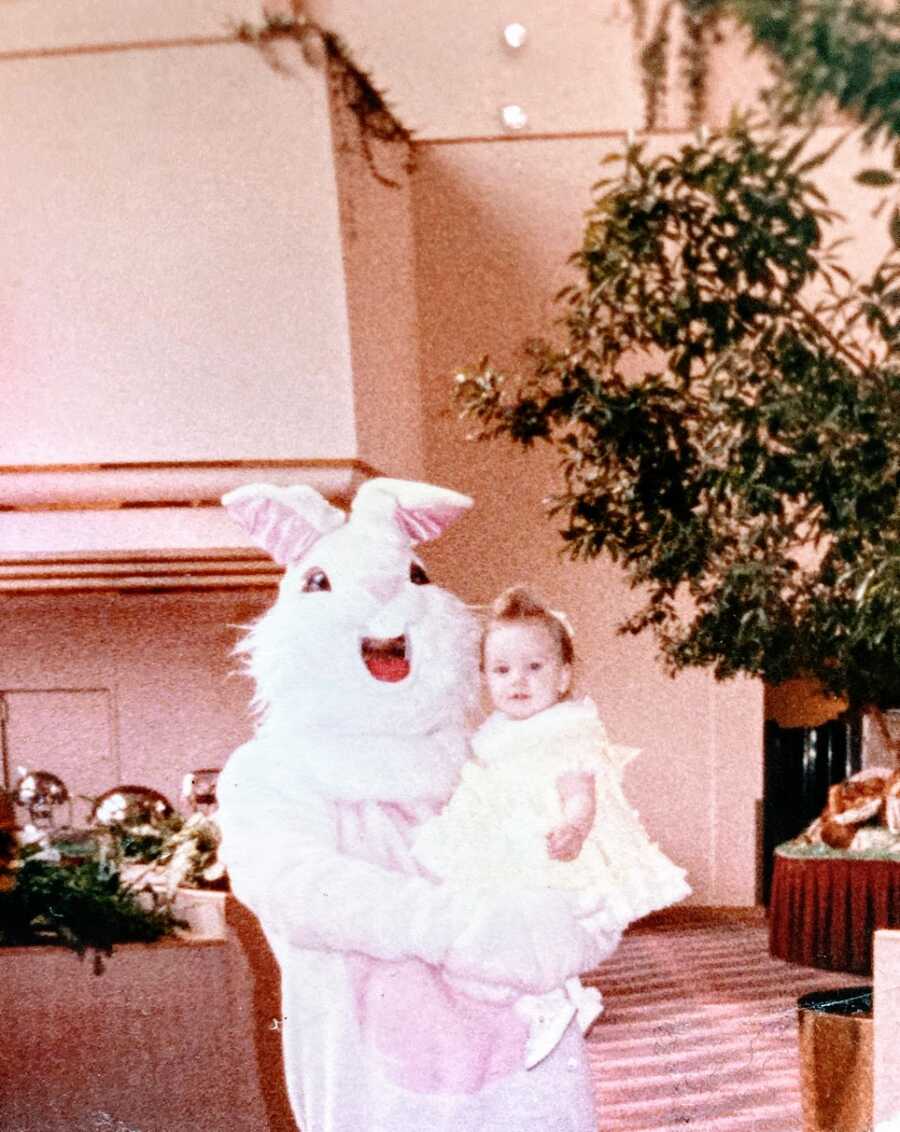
pixel 358 640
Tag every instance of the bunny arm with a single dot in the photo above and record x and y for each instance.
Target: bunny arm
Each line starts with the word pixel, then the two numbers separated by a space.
pixel 284 862
pixel 530 939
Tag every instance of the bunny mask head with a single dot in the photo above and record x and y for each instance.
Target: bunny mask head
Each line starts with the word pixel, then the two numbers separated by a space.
pixel 358 640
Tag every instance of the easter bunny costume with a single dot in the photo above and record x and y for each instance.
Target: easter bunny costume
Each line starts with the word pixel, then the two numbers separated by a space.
pixel 364 672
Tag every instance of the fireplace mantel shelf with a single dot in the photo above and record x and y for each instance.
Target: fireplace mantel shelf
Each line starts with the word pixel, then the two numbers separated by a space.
pixel 213 569
pixel 151 526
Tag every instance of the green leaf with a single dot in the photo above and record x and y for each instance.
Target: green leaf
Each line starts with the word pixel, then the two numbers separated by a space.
pixel 720 435
pixel 875 178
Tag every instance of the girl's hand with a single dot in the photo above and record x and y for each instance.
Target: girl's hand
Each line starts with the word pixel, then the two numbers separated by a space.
pixel 577 801
pixel 564 843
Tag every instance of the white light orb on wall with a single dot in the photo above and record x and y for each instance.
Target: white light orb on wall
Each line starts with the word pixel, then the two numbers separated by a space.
pixel 513 118
pixel 514 36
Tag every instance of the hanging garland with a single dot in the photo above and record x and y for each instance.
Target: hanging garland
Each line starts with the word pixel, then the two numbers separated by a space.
pixel 639 16
pixel 654 61
pixel 374 120
pixel 844 49
pixel 700 20
pixel 843 53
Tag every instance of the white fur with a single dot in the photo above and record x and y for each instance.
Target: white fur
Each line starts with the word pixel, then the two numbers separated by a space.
pixel 305 658
pixel 318 812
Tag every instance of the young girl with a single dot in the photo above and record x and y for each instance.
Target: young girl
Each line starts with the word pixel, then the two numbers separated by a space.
pixel 541 803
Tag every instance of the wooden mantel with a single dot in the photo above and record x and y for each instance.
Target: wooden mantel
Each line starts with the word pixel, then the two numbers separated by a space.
pixel 150 526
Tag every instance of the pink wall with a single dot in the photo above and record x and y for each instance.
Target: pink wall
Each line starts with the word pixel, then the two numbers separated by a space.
pixel 379 270
pixel 161 662
pixel 174 287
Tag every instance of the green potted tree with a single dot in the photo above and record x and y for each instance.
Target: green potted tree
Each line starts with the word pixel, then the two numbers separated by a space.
pixel 725 406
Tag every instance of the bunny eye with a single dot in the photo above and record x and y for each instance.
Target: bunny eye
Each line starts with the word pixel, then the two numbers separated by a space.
pixel 417 575
pixel 315 581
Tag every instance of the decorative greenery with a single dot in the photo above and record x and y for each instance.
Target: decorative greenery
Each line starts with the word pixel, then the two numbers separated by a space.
pixel 144 844
pixel 834 55
pixel 189 855
pixel 639 16
pixel 82 905
pixel 726 407
pixel 839 53
pixel 375 121
pixel 159 857
pixel 700 22
pixel 826 55
pixel 701 30
pixel 115 882
pixel 654 57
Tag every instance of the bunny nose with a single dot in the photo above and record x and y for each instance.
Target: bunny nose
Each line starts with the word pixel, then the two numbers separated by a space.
pixel 383 588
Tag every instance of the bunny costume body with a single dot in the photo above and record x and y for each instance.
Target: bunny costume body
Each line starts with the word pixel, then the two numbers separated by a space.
pixel 364 672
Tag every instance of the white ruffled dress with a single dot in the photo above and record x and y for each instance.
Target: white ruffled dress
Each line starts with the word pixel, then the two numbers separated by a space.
pixel 494 829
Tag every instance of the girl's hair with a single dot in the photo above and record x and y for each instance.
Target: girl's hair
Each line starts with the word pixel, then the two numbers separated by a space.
pixel 518 604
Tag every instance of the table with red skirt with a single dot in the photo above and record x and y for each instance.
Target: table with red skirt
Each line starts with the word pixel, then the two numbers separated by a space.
pixel 824 911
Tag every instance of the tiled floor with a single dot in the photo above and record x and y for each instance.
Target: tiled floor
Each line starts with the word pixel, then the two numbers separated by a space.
pixel 700 1032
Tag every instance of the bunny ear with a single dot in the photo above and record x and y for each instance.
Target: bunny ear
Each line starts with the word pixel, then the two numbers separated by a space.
pixel 285 521
pixel 422 511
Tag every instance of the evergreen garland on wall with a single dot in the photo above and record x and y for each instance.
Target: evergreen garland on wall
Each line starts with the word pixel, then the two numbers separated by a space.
pixel 353 87
pixel 826 54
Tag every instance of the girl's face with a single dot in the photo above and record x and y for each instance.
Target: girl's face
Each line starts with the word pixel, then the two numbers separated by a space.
pixel 523 668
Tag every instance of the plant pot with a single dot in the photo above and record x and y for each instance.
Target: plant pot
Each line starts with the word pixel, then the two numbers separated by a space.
pixel 835 1029
pixel 204 911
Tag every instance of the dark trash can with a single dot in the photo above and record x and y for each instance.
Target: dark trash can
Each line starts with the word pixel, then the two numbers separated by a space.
pixel 835 1028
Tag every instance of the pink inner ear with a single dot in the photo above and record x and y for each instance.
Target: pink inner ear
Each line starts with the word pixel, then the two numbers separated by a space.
pixel 421 524
pixel 280 530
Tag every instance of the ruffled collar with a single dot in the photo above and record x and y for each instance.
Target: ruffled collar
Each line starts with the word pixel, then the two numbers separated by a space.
pixel 569 721
pixel 498 731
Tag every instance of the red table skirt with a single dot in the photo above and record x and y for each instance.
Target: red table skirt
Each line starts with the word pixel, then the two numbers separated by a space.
pixel 824 911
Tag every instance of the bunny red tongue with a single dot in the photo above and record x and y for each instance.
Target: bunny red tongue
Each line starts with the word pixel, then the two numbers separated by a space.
pixel 385 658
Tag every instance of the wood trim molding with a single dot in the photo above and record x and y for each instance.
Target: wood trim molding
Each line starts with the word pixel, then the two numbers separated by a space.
pixel 221 569
pixel 699 915
pixel 144 527
pixel 196 483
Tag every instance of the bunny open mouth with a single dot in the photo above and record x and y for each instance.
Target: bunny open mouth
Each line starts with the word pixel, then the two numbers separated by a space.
pixel 386 658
